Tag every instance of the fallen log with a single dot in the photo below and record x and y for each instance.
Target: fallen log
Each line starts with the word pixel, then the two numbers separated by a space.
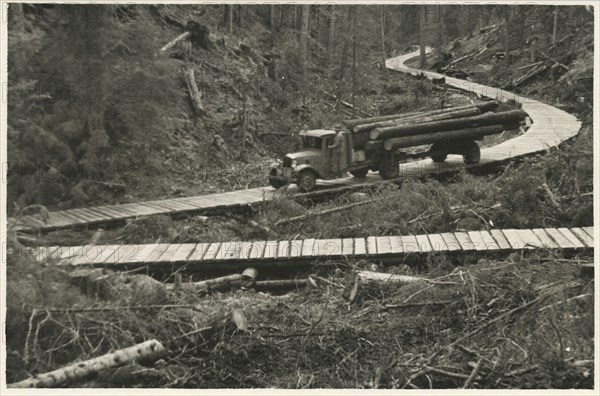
pixel 505 117
pixel 554 60
pixel 177 39
pixel 445 136
pixel 146 351
pixel 281 284
pixel 536 71
pixel 380 278
pixel 190 81
pixel 346 104
pixel 296 219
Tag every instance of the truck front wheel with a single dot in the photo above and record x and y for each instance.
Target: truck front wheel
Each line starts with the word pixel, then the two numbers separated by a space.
pixel 389 168
pixel 307 180
pixel 360 172
pixel 274 181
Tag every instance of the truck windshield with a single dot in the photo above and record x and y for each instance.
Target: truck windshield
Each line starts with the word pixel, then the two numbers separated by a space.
pixel 311 142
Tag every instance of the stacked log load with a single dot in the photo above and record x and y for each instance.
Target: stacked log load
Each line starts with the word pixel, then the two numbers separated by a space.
pixel 396 131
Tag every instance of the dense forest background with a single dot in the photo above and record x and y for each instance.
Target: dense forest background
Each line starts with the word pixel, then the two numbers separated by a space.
pixel 98 112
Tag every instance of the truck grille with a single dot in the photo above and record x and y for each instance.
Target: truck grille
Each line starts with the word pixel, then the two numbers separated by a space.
pixel 287 162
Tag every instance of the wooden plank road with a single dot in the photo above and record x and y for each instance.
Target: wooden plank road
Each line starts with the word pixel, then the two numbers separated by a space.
pixel 222 254
pixel 551 126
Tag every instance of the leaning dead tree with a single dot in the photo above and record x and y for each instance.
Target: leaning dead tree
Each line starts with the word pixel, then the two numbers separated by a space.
pixel 195 97
pixel 148 351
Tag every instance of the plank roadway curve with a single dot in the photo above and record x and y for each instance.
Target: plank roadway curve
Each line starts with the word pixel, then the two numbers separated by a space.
pixel 550 127
pixel 227 255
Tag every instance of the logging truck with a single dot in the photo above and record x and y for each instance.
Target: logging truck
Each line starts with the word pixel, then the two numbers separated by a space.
pixel 379 143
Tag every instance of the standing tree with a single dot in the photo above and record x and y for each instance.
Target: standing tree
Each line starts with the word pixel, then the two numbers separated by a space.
pixel 331 36
pixel 441 29
pixel 353 55
pixel 383 54
pixel 229 18
pixel 555 25
pixel 422 15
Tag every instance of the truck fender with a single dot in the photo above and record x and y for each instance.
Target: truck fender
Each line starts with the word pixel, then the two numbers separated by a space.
pixel 302 167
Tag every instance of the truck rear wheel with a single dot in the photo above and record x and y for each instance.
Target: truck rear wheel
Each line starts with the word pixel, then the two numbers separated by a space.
pixel 388 168
pixel 440 155
pixel 472 153
pixel 307 180
pixel 360 172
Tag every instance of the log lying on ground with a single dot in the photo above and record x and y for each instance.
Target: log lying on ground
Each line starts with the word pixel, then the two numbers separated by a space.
pixel 506 117
pixel 244 280
pixel 147 351
pixel 381 278
pixel 190 81
pixel 446 136
pixel 280 284
pixel 532 73
pixel 177 39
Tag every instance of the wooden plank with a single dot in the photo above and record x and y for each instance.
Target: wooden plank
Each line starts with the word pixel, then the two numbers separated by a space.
pixel 198 252
pixel 464 241
pixel 559 238
pixel 575 242
pixel 283 249
pixel 296 248
pixel 513 239
pixel 41 253
pixel 307 247
pixel 347 247
pixel 271 250
pixel 155 255
pixel 589 230
pixel 94 254
pixel 410 244
pixel 328 247
pixel 170 252
pixel 489 241
pixel 477 240
pixel 360 247
pixel 423 243
pixel 500 239
pixel 396 246
pixel 383 246
pixel 134 253
pixel 229 251
pixel 437 242
pixel 371 245
pixel 583 236
pixel 452 244
pixel 32 222
pixel 58 219
pixel 212 251
pixel 104 213
pixel 79 215
pixel 184 251
pixel 529 238
pixel 246 250
pixel 258 249
pixel 111 211
pixel 544 238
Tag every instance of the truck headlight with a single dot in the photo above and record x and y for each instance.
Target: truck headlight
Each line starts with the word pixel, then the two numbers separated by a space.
pixel 294 163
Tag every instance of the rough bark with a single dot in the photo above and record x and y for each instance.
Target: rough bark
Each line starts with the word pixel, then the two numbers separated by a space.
pixel 445 136
pixel 505 117
pixel 149 350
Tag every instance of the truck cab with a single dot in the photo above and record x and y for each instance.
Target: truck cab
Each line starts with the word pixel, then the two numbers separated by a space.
pixel 314 161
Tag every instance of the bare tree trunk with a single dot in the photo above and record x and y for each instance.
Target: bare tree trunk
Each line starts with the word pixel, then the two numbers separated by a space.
pixel 272 16
pixel 507 33
pixel 441 34
pixel 331 37
pixel 555 26
pixel 229 17
pixel 383 54
pixel 354 56
pixel 243 156
pixel 345 46
pixel 422 53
